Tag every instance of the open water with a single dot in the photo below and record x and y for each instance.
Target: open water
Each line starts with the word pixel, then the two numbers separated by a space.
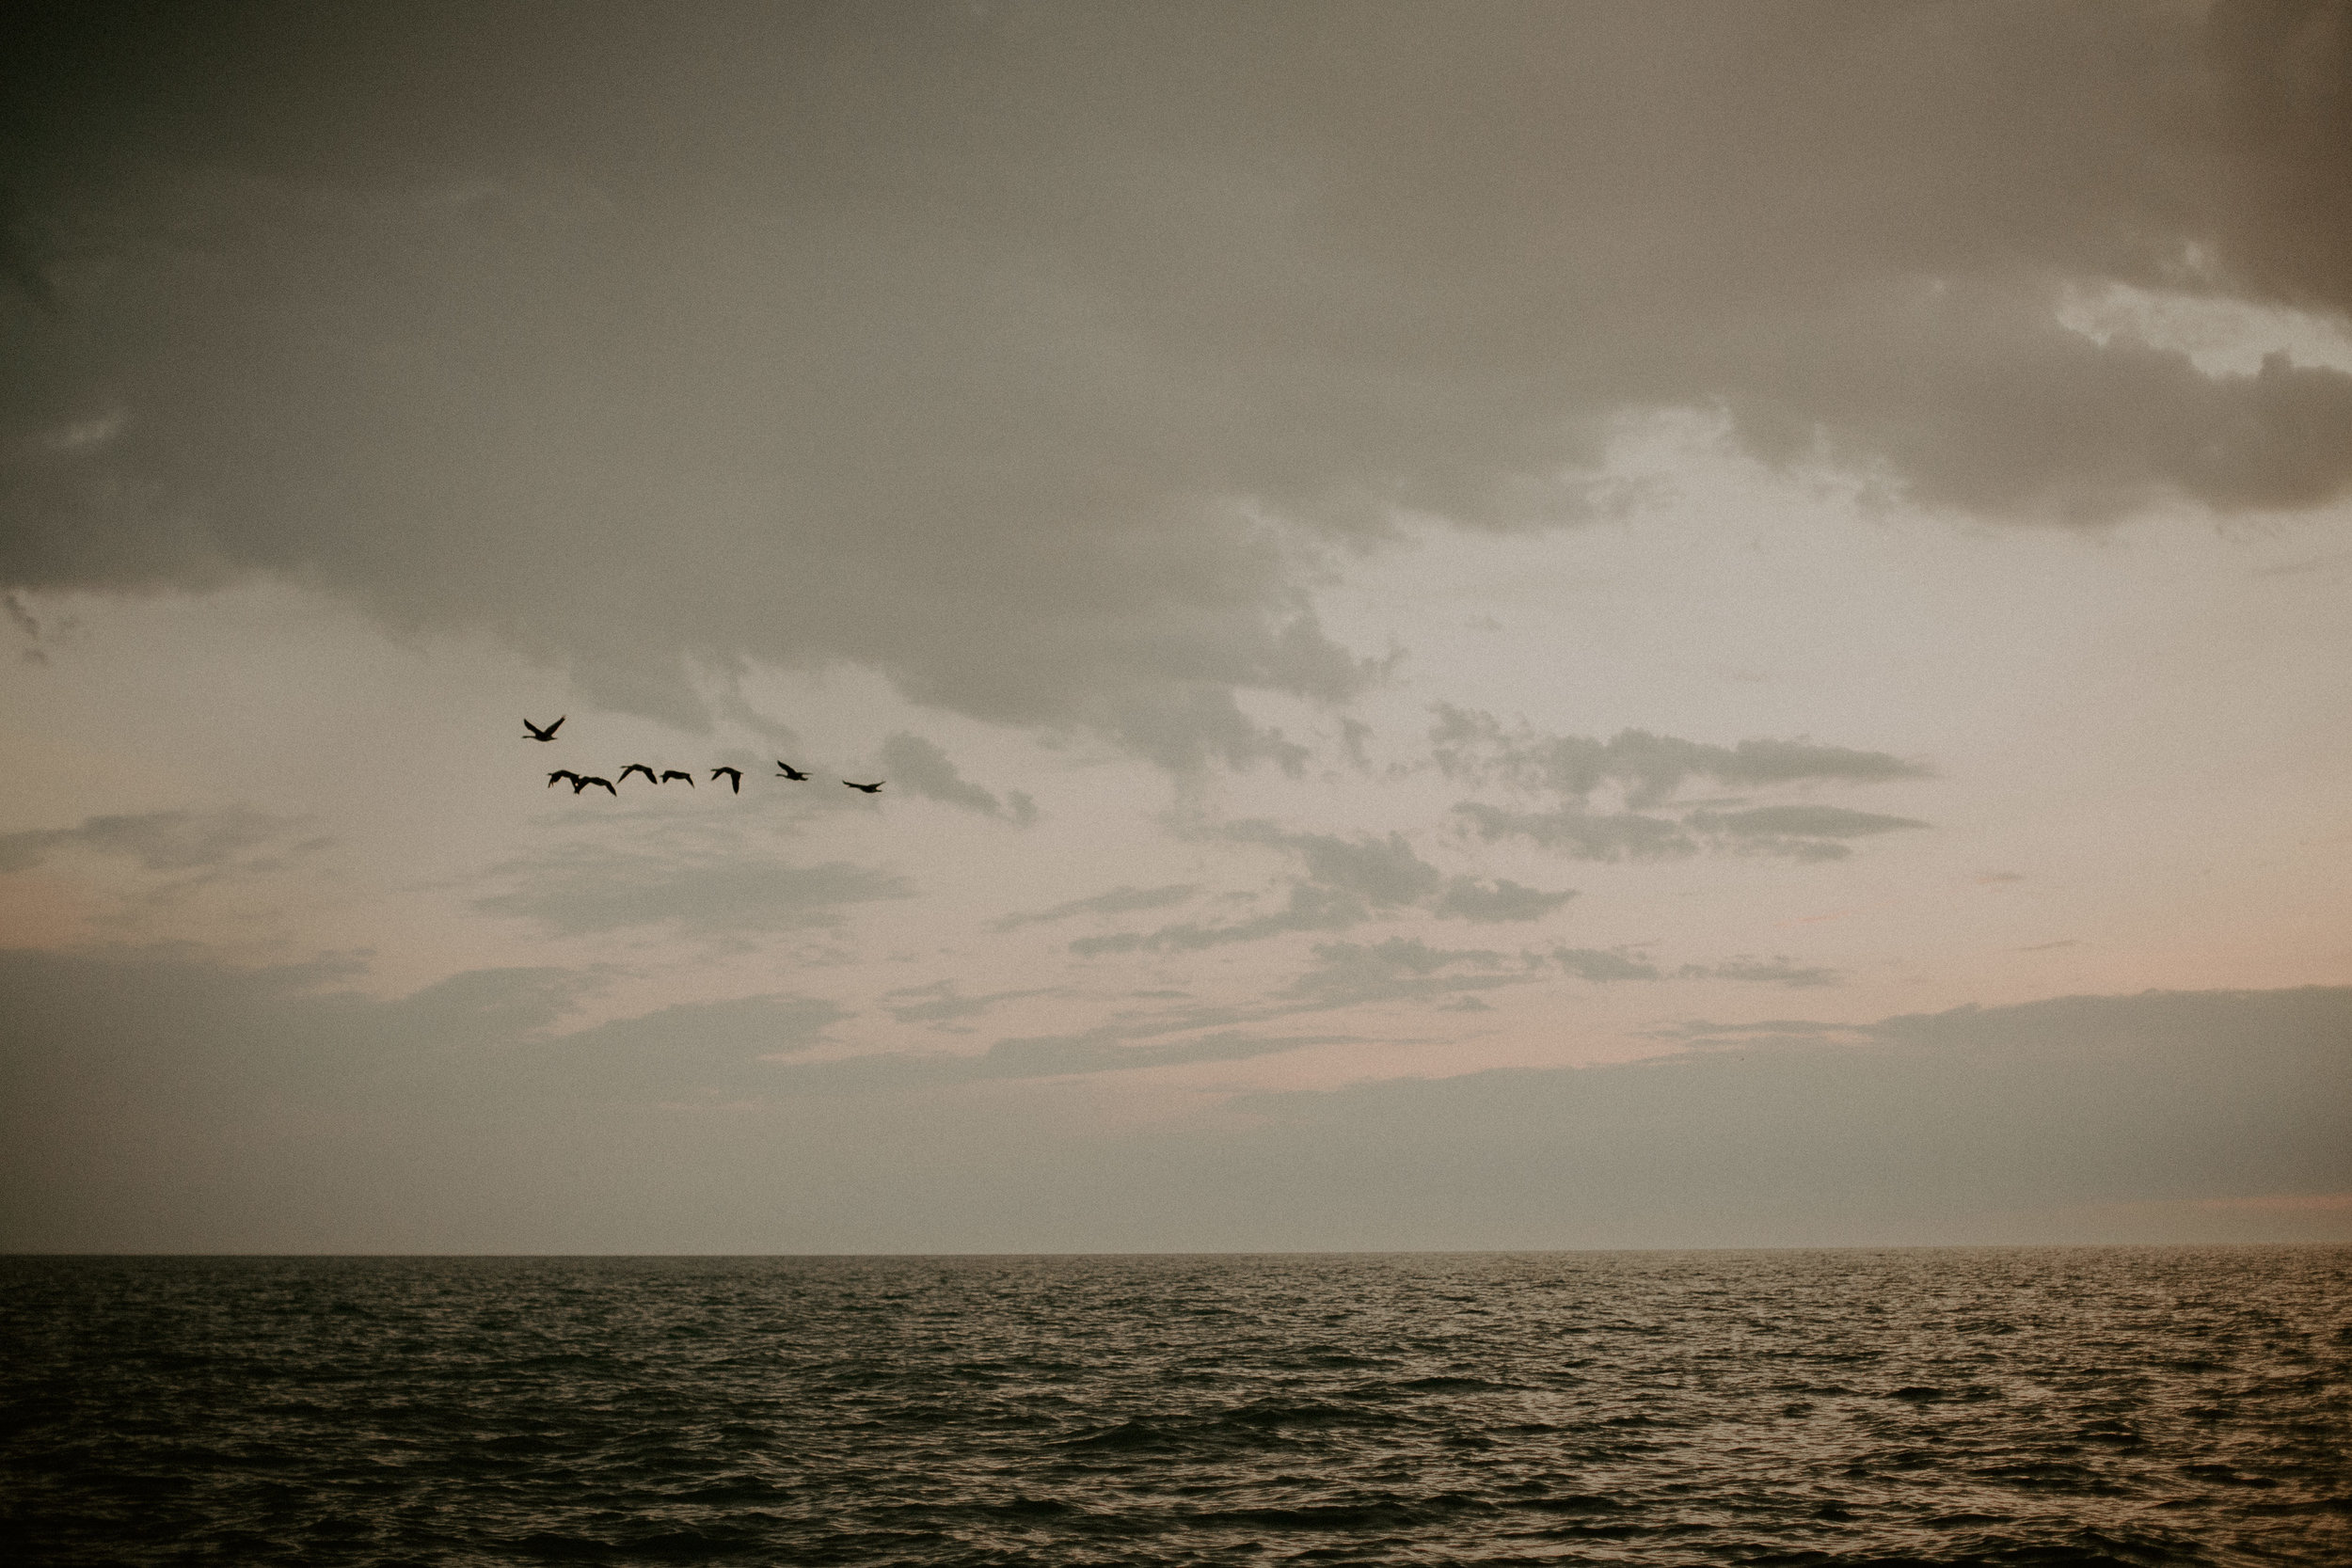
pixel 2097 1406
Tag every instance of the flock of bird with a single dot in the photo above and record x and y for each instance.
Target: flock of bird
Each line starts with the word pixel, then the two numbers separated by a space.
pixel 733 775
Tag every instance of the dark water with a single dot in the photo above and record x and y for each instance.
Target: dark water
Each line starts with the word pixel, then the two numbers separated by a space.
pixel 2097 1406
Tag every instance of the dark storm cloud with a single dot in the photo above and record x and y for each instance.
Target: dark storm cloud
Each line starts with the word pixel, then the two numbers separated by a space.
pixel 592 887
pixel 148 1104
pixel 158 841
pixel 974 343
pixel 921 768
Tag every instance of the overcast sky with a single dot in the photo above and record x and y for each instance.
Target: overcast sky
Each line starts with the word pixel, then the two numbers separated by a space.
pixel 1507 625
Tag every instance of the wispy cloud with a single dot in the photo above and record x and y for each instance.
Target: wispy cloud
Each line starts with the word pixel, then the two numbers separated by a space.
pixel 922 769
pixel 158 841
pixel 1348 972
pixel 585 888
pixel 941 1005
pixel 1347 881
pixel 1118 900
pixel 1775 971
pixel 1107 1049
pixel 1649 768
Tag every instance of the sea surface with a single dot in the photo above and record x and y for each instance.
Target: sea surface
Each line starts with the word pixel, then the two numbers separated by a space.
pixel 2041 1406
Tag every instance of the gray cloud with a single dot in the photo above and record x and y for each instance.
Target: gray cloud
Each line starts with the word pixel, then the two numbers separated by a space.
pixel 1587 836
pixel 943 1005
pixel 1118 900
pixel 1004 426
pixel 1384 873
pixel 592 887
pixel 711 1048
pixel 1589 963
pixel 1648 768
pixel 1050 1057
pixel 1485 903
pixel 1311 908
pixel 1351 972
pixel 1777 971
pixel 1805 833
pixel 921 767
pixel 171 1105
pixel 1797 822
pixel 158 840
pixel 1963 1126
pixel 1347 881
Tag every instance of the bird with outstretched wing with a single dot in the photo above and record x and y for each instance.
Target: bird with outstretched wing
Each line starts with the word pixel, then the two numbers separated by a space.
pixel 673 773
pixel 734 777
pixel 871 788
pixel 640 768
pixel 538 734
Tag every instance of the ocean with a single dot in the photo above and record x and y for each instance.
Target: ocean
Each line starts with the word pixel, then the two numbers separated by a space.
pixel 2027 1406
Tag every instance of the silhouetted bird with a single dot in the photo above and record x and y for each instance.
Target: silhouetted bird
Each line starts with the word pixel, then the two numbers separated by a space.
pixel 868 788
pixel 605 783
pixel 673 773
pixel 735 777
pixel 565 773
pixel 547 734
pixel 640 768
pixel 790 772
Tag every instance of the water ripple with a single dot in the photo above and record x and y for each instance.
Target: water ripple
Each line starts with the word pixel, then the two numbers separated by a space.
pixel 1835 1409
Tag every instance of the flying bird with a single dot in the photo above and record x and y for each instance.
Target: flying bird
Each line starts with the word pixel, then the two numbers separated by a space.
pixel 565 773
pixel 868 788
pixel 791 772
pixel 579 785
pixel 735 777
pixel 640 768
pixel 673 773
pixel 547 734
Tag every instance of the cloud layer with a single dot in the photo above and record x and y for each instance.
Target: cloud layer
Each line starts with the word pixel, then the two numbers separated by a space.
pixel 169 1105
pixel 651 341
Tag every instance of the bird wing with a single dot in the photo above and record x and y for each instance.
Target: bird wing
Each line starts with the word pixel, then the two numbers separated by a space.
pixel 557 725
pixel 607 785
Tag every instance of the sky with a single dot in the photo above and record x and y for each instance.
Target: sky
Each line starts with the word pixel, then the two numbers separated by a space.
pixel 1518 626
